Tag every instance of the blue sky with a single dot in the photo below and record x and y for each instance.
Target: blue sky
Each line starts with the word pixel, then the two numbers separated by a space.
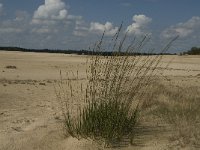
pixel 77 24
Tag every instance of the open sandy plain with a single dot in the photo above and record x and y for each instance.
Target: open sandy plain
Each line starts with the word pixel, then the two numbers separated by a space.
pixel 29 118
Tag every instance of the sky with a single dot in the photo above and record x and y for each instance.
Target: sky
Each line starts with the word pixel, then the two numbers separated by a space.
pixel 78 24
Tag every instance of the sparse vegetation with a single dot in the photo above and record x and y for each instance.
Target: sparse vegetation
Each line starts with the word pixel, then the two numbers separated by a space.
pixel 11 67
pixel 179 108
pixel 112 95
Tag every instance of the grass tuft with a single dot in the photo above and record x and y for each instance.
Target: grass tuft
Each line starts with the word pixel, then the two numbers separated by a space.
pixel 105 106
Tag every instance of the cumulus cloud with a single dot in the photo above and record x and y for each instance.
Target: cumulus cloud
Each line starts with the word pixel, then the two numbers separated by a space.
pixel 84 29
pixel 183 29
pixel 53 17
pixel 99 28
pixel 139 25
pixel 50 12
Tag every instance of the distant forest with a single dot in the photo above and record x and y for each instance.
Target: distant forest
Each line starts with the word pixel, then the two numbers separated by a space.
pixel 78 52
pixel 192 51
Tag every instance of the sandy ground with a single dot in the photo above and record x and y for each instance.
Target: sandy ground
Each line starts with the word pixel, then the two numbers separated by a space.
pixel 28 106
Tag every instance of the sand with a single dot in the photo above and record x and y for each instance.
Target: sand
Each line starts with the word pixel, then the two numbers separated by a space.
pixel 29 117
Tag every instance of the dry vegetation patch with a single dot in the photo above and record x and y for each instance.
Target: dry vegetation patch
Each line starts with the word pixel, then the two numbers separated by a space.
pixel 179 108
pixel 11 67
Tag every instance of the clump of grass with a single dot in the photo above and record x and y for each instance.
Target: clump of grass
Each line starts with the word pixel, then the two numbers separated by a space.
pixel 105 106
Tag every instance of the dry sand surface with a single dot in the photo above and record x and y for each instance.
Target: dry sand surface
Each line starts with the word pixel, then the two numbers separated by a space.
pixel 29 117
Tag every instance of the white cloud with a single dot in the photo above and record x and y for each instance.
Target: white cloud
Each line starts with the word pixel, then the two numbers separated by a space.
pixel 11 27
pixel 1 8
pixel 99 28
pixel 73 17
pixel 152 0
pixel 79 33
pixel 84 29
pixel 17 25
pixel 10 30
pixel 50 12
pixel 183 29
pixel 43 30
pixel 139 25
pixel 21 16
pixel 81 28
pixel 126 4
pixel 53 17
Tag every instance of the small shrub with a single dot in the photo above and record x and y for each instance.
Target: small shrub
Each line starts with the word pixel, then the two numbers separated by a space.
pixel 11 67
pixel 42 83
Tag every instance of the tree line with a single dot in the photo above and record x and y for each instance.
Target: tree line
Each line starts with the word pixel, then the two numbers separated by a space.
pixel 192 51
pixel 78 52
